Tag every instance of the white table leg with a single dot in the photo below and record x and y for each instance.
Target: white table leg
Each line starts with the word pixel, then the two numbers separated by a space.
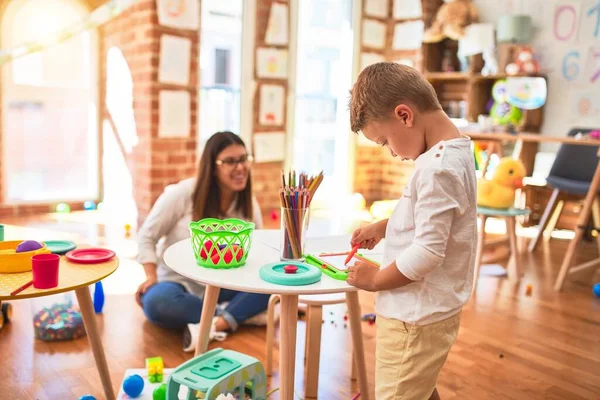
pixel 91 327
pixel 209 305
pixel 287 349
pixel 357 342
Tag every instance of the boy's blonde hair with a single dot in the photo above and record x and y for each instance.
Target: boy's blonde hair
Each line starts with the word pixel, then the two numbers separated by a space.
pixel 382 86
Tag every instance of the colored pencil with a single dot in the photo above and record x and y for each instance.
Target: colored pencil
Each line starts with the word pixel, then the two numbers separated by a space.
pixel 296 194
pixel 351 254
pixel 20 289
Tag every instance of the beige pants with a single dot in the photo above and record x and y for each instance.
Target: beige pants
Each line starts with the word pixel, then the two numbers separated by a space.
pixel 410 357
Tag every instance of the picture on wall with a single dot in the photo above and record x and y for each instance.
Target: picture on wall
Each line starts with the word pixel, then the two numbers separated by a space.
pixel 174 118
pixel 271 106
pixel 277 28
pixel 271 63
pixel 174 62
pixel 179 14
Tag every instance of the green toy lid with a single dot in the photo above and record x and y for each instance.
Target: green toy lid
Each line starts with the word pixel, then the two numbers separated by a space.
pixel 60 246
pixel 304 275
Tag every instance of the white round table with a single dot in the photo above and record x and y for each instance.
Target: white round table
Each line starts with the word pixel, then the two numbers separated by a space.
pixel 265 250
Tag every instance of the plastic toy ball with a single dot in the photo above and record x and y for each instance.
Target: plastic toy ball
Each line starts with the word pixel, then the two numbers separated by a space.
pixel 87 397
pixel 100 206
pixel 597 290
pixel 89 205
pixel 133 385
pixel 63 208
pixel 160 393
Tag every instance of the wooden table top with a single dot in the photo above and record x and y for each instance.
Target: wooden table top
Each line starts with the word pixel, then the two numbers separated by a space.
pixel 71 276
pixel 531 137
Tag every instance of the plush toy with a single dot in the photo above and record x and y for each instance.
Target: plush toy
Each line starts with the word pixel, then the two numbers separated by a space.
pixel 499 192
pixel 451 20
pixel 524 64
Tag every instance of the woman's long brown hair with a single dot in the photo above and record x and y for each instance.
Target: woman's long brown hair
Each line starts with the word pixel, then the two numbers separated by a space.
pixel 207 195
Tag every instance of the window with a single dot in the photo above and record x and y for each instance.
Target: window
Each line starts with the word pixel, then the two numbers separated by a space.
pixel 323 75
pixel 220 68
pixel 49 115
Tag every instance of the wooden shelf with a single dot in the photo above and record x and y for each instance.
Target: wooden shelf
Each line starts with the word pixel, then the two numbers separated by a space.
pixel 479 77
pixel 447 76
pixel 465 76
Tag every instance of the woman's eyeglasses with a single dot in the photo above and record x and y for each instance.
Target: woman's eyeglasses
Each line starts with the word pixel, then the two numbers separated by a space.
pixel 233 162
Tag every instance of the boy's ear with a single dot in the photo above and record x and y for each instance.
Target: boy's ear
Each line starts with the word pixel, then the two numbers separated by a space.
pixel 405 114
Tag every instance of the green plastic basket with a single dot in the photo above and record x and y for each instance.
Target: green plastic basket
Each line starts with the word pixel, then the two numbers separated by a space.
pixel 221 243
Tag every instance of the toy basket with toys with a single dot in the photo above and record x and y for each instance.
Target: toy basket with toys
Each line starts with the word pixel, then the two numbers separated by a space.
pixel 221 244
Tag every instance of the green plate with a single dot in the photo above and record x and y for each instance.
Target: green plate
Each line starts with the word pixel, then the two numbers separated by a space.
pixel 60 246
pixel 305 275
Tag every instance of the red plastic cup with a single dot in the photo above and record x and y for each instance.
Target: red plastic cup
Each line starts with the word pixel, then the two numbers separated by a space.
pixel 45 270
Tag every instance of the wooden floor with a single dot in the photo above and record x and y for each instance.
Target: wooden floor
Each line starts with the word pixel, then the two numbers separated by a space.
pixel 510 346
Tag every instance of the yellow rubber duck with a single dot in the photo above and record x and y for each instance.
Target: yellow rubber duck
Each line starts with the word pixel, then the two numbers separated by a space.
pixel 499 192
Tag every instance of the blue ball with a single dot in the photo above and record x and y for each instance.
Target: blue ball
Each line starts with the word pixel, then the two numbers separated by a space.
pixel 597 289
pixel 87 397
pixel 89 205
pixel 133 385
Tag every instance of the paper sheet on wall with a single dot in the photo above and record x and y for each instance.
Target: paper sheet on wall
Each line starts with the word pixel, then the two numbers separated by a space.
pixel 373 34
pixel 408 35
pixel 367 59
pixel 174 63
pixel 174 114
pixel 407 9
pixel 271 63
pixel 277 28
pixel 269 147
pixel 271 106
pixel 584 103
pixel 178 14
pixel 376 8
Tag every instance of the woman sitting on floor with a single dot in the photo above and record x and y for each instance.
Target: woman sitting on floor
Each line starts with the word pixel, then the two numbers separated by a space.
pixel 222 189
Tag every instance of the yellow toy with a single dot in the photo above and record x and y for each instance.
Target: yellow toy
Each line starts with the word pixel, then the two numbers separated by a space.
pixel 154 366
pixel 499 192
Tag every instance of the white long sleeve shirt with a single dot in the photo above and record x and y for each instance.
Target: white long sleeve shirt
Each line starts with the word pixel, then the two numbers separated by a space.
pixel 168 223
pixel 432 236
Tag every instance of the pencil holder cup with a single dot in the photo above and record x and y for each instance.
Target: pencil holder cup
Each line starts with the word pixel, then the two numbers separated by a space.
pixel 294 223
pixel 221 244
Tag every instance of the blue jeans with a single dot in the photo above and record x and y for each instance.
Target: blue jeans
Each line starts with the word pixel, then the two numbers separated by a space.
pixel 169 305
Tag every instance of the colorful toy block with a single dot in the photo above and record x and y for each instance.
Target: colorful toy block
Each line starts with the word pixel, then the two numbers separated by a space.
pixel 155 366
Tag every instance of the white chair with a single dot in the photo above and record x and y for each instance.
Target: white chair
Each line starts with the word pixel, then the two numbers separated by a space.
pixel 314 320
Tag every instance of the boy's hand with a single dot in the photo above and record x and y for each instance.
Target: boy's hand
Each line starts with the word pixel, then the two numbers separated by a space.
pixel 369 236
pixel 362 275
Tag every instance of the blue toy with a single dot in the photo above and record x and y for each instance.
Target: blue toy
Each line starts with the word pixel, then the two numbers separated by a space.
pixel 133 385
pixel 98 297
pixel 87 397
pixel 89 205
pixel 597 290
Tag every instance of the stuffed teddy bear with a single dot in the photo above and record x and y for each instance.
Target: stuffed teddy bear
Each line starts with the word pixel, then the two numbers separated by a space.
pixel 451 20
pixel 524 64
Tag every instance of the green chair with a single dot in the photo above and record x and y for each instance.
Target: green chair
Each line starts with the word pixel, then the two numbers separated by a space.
pixel 510 216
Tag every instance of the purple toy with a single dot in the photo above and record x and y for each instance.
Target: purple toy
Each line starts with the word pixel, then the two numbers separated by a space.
pixel 28 245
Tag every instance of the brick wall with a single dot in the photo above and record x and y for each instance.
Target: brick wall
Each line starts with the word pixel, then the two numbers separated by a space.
pixel 155 162
pixel 266 176
pixel 379 175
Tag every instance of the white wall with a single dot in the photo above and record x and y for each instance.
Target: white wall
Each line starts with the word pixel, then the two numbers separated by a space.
pixel 561 112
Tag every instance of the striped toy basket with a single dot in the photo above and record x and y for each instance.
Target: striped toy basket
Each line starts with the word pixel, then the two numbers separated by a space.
pixel 221 243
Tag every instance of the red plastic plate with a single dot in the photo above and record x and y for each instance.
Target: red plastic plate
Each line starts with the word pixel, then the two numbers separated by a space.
pixel 90 255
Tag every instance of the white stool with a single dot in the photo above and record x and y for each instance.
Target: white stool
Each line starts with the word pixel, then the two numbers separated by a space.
pixel 314 321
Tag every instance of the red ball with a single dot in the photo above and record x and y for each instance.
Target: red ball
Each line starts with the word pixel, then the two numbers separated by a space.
pixel 238 251
pixel 274 215
pixel 208 248
pixel 215 259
